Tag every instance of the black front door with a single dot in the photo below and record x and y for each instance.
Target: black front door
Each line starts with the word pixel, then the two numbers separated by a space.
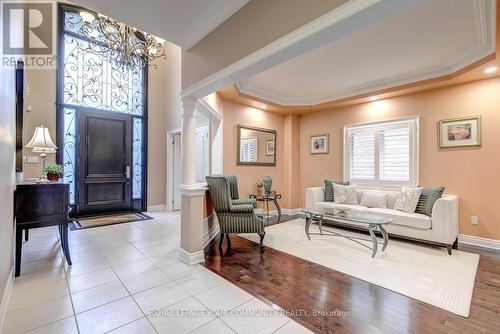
pixel 104 166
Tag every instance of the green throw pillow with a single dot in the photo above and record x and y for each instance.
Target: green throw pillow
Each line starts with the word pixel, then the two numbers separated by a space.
pixel 329 189
pixel 427 199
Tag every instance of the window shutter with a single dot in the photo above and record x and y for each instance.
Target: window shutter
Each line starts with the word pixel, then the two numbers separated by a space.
pixel 362 155
pixel 248 150
pixel 395 154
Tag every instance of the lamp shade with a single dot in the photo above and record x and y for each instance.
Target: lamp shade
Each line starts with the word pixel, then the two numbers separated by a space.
pixel 41 141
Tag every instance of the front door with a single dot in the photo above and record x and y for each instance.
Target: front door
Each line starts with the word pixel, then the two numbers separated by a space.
pixel 105 159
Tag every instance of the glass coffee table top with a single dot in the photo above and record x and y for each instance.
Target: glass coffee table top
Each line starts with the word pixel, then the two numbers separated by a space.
pixel 355 216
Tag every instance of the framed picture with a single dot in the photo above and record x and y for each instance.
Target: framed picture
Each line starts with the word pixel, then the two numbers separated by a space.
pixel 458 132
pixel 319 144
pixel 269 147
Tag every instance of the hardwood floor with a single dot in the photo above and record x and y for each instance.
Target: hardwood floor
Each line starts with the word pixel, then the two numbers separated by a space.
pixel 298 285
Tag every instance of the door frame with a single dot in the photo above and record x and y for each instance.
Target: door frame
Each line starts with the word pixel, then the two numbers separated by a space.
pixel 139 204
pixel 170 168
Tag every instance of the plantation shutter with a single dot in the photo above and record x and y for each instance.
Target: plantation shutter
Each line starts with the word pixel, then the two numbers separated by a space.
pixel 395 154
pixel 248 151
pixel 362 155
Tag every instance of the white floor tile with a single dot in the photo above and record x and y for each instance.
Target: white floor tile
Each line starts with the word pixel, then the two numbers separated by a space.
pixel 85 267
pixel 223 298
pixel 108 317
pixel 214 327
pixel 178 270
pixel 32 267
pixel 90 280
pixel 38 278
pixel 37 294
pixel 160 297
pixel 65 326
pixel 94 297
pixel 146 280
pixel 166 259
pixel 132 268
pixel 200 281
pixel 181 318
pixel 81 256
pixel 293 327
pixel 124 257
pixel 263 321
pixel 38 315
pixel 141 326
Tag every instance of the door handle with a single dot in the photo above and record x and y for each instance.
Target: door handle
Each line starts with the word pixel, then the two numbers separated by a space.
pixel 127 172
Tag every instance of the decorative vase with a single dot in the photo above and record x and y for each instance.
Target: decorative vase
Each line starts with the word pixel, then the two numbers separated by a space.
pixel 268 183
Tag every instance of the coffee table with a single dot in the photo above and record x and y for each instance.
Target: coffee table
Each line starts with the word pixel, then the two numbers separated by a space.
pixel 353 218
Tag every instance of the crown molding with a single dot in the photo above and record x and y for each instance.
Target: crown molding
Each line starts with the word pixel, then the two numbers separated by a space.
pixel 485 45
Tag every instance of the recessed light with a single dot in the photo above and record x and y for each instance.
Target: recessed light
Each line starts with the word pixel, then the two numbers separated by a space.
pixel 373 98
pixel 490 70
pixel 263 106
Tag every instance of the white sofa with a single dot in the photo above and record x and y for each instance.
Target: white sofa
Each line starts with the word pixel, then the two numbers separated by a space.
pixel 440 229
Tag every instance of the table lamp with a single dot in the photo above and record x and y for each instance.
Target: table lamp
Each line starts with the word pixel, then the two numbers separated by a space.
pixel 43 144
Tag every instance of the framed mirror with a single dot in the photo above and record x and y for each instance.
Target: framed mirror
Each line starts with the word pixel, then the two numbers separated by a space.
pixel 256 146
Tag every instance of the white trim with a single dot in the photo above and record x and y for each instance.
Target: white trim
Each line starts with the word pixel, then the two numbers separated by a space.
pixel 479 242
pixel 157 207
pixel 484 45
pixel 214 231
pixel 6 297
pixel 285 211
pixel 191 258
pixel 192 190
pixel 280 50
pixel 208 111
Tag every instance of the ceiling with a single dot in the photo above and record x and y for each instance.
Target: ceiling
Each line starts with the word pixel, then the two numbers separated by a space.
pixel 182 22
pixel 433 39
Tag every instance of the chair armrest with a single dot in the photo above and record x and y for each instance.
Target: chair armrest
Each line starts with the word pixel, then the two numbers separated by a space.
pixel 251 201
pixel 242 208
pixel 313 196
pixel 445 217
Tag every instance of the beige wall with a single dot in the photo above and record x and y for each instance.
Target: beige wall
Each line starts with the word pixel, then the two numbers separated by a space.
pixel 7 168
pixel 255 25
pixel 248 176
pixel 471 173
pixel 164 112
pixel 292 152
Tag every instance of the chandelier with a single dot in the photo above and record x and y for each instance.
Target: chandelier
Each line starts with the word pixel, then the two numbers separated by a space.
pixel 121 44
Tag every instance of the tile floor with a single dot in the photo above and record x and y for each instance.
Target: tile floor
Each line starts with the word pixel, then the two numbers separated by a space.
pixel 127 278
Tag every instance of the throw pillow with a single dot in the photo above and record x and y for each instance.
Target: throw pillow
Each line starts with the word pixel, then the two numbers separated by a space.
pixel 427 199
pixel 345 194
pixel 374 199
pixel 408 199
pixel 329 196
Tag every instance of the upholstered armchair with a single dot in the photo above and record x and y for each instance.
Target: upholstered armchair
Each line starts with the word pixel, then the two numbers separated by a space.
pixel 233 218
pixel 233 185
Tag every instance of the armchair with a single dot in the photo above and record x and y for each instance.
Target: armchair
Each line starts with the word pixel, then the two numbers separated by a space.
pixel 233 218
pixel 233 184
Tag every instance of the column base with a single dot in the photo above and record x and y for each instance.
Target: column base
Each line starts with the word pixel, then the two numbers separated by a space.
pixel 191 258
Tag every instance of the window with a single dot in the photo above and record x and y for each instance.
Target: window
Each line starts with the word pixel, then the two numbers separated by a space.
pixel 248 152
pixel 382 154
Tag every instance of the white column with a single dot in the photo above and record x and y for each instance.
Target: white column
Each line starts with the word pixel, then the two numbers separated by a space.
pixel 193 195
pixel 188 144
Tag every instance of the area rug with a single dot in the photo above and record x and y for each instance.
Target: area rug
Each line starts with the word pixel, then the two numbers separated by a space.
pixel 96 221
pixel 421 272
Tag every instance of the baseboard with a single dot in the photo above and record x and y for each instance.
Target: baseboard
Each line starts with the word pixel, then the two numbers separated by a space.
pixel 214 231
pixel 159 207
pixel 191 258
pixel 6 297
pixel 479 242
pixel 286 211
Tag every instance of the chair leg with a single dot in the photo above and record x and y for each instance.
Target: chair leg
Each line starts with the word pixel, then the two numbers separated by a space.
pixel 221 240
pixel 262 235
pixel 228 241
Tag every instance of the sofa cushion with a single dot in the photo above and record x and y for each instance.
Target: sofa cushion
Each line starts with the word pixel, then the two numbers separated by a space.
pixel 427 199
pixel 374 199
pixel 415 220
pixel 408 199
pixel 329 195
pixel 345 194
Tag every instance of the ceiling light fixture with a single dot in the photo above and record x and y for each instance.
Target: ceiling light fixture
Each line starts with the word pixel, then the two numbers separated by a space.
pixel 491 69
pixel 122 44
pixel 373 98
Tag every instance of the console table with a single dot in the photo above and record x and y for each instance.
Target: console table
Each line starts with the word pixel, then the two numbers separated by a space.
pixel 41 205
pixel 265 199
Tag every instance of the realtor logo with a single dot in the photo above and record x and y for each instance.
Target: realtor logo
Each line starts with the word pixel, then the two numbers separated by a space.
pixel 28 33
pixel 27 28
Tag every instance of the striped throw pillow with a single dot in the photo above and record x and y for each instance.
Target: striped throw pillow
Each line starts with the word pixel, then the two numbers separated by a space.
pixel 427 199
